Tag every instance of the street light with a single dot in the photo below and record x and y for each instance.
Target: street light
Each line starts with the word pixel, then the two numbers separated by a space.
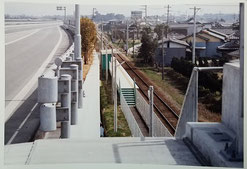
pixel 59 8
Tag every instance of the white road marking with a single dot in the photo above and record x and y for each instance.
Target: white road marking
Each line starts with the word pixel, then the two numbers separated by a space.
pixel 12 106
pixel 21 125
pixel 23 37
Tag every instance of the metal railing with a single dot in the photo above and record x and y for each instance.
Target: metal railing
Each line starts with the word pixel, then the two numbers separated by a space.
pixel 189 111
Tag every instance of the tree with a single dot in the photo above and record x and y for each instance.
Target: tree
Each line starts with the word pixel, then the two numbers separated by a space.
pixel 158 30
pixel 147 49
pixel 88 38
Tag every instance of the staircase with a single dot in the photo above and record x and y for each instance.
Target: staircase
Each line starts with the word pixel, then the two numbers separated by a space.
pixel 129 95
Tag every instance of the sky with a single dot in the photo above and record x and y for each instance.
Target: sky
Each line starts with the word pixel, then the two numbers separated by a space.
pixel 41 9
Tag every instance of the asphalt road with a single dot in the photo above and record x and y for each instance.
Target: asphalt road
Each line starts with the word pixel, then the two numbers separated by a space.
pixel 29 48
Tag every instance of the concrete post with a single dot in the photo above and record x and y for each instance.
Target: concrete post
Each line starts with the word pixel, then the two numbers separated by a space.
pixel 47 89
pixel 112 73
pixel 135 89
pixel 77 36
pixel 115 96
pixel 66 103
pixel 80 81
pixel 242 24
pixel 151 111
pixel 106 65
pixel 196 94
pixel 74 95
pixel 48 117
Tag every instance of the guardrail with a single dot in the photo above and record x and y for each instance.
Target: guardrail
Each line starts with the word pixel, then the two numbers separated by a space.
pixel 60 93
pixel 60 90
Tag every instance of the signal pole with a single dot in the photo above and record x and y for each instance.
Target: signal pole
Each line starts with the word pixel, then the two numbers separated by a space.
pixel 194 36
pixel 127 37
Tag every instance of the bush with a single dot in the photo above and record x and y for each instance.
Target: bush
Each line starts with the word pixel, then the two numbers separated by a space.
pixel 208 80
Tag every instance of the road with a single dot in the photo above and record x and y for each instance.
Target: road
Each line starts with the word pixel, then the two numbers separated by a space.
pixel 29 49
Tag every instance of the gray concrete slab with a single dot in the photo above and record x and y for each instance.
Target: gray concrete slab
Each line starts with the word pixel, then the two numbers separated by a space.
pixel 200 134
pixel 162 151
pixel 89 116
pixel 18 152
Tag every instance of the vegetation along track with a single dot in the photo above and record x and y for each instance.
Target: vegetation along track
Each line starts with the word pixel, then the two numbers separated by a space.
pixel 168 116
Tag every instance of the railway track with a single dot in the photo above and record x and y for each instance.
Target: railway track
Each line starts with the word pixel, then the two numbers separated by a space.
pixel 166 114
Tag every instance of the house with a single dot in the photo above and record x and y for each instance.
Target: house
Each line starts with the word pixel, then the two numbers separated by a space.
pixel 230 46
pixel 207 41
pixel 172 48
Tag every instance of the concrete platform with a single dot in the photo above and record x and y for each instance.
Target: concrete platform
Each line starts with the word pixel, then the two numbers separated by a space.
pixel 156 151
pixel 210 139
pixel 89 116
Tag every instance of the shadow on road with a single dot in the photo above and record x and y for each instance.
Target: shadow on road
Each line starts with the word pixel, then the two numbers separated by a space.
pixel 28 130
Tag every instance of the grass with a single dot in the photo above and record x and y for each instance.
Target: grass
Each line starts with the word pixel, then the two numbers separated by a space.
pixel 174 85
pixel 107 108
pixel 169 85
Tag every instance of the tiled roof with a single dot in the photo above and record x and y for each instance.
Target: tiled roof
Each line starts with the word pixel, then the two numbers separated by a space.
pixel 174 40
pixel 227 31
pixel 232 45
pixel 214 34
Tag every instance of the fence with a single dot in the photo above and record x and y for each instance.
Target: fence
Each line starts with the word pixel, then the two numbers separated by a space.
pixel 159 129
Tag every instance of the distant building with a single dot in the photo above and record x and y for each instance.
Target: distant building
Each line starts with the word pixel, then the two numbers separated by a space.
pixel 207 42
pixel 173 48
pixel 185 28
pixel 136 15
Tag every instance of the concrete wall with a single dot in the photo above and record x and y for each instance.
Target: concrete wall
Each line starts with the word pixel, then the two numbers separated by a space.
pixel 159 130
pixel 230 96
pixel 211 49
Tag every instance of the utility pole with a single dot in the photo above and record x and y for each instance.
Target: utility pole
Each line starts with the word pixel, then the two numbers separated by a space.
pixel 167 20
pixel 162 52
pixel 194 36
pixel 133 43
pixel 101 35
pixel 115 95
pixel 146 12
pixel 64 8
pixel 93 13
pixel 127 37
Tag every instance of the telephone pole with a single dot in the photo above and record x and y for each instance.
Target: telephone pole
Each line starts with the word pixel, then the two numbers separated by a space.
pixel 163 53
pixel 167 20
pixel 93 13
pixel 127 37
pixel 146 12
pixel 194 36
